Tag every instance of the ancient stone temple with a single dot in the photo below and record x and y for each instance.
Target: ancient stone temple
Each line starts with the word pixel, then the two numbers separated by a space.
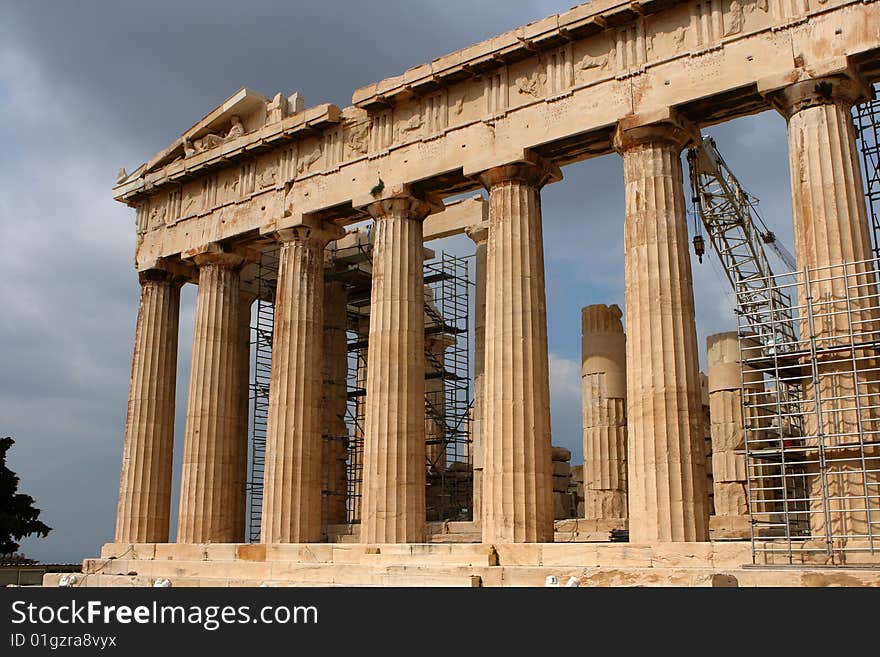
pixel 634 80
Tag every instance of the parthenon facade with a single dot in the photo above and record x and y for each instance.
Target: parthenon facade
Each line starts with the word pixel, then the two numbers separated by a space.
pixel 639 79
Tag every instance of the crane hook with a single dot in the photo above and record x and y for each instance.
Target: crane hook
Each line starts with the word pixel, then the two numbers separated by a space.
pixel 699 247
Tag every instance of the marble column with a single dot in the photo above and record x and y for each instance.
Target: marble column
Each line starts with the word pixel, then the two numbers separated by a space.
pixel 212 442
pixel 831 228
pixel 435 423
pixel 393 504
pixel 517 470
pixel 335 400
pixel 480 236
pixel 293 475
pixel 668 498
pixel 731 519
pixel 603 381
pixel 144 507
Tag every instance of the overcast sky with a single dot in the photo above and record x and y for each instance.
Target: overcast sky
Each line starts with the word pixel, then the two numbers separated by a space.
pixel 87 87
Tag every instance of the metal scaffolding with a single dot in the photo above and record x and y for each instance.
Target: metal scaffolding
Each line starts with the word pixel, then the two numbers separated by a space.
pixel 813 467
pixel 447 371
pixel 448 400
pixel 261 350
pixel 810 380
pixel 448 393
pixel 866 117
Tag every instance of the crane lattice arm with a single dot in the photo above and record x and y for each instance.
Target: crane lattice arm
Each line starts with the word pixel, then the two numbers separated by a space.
pixel 734 229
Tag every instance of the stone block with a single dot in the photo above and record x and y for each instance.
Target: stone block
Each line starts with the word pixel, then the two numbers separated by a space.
pixel 115 550
pixel 561 469
pixel 519 554
pixel 181 551
pixel 730 527
pixel 730 499
pixel 561 454
pixel 560 484
pixel 728 436
pixel 674 555
pixel 563 506
pixel 728 466
pixel 221 551
pixel 143 551
pixel 605 503
pixel 647 577
pixel 300 552
pixel 731 554
pixel 577 473
pixel 251 552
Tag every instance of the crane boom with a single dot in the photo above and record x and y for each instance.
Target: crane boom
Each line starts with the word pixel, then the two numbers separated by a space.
pixel 728 214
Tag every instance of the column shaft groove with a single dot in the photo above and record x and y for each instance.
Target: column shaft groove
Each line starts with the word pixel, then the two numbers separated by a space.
pixel 213 444
pixel 144 507
pixel 668 499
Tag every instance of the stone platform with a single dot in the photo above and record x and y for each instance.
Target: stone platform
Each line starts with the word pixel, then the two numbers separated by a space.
pixel 449 564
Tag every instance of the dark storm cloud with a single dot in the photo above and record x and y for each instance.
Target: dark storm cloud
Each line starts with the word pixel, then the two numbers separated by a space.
pixel 88 86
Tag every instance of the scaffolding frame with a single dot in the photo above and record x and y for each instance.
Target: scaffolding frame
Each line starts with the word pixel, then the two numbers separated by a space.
pixel 449 461
pixel 449 473
pixel 866 117
pixel 813 468
pixel 261 347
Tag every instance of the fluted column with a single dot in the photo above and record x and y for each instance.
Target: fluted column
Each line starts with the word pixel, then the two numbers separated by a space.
pixel 212 443
pixel 293 476
pixel 144 507
pixel 668 500
pixel 603 381
pixel 480 235
pixel 517 470
pixel 393 505
pixel 831 228
pixel 435 422
pixel 334 429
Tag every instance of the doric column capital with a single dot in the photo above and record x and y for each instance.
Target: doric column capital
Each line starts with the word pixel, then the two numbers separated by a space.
pixel 213 254
pixel 667 127
pixel 438 343
pixel 180 270
pixel 229 260
pixel 160 277
pixel 532 170
pixel 830 89
pixel 310 230
pixel 402 201
pixel 479 233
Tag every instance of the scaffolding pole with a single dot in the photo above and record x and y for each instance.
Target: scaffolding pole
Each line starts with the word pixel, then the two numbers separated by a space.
pixel 866 117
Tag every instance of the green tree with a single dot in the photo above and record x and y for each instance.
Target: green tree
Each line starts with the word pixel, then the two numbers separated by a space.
pixel 18 515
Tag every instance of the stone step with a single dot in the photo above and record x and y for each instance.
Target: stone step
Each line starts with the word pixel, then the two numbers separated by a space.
pixel 532 576
pixel 144 573
pixel 462 537
pixel 436 532
pixel 580 537
pixel 724 554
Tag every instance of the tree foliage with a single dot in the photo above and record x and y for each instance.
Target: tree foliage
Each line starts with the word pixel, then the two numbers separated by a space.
pixel 18 515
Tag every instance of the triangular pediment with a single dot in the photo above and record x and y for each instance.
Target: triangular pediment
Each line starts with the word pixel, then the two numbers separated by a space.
pixel 247 105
